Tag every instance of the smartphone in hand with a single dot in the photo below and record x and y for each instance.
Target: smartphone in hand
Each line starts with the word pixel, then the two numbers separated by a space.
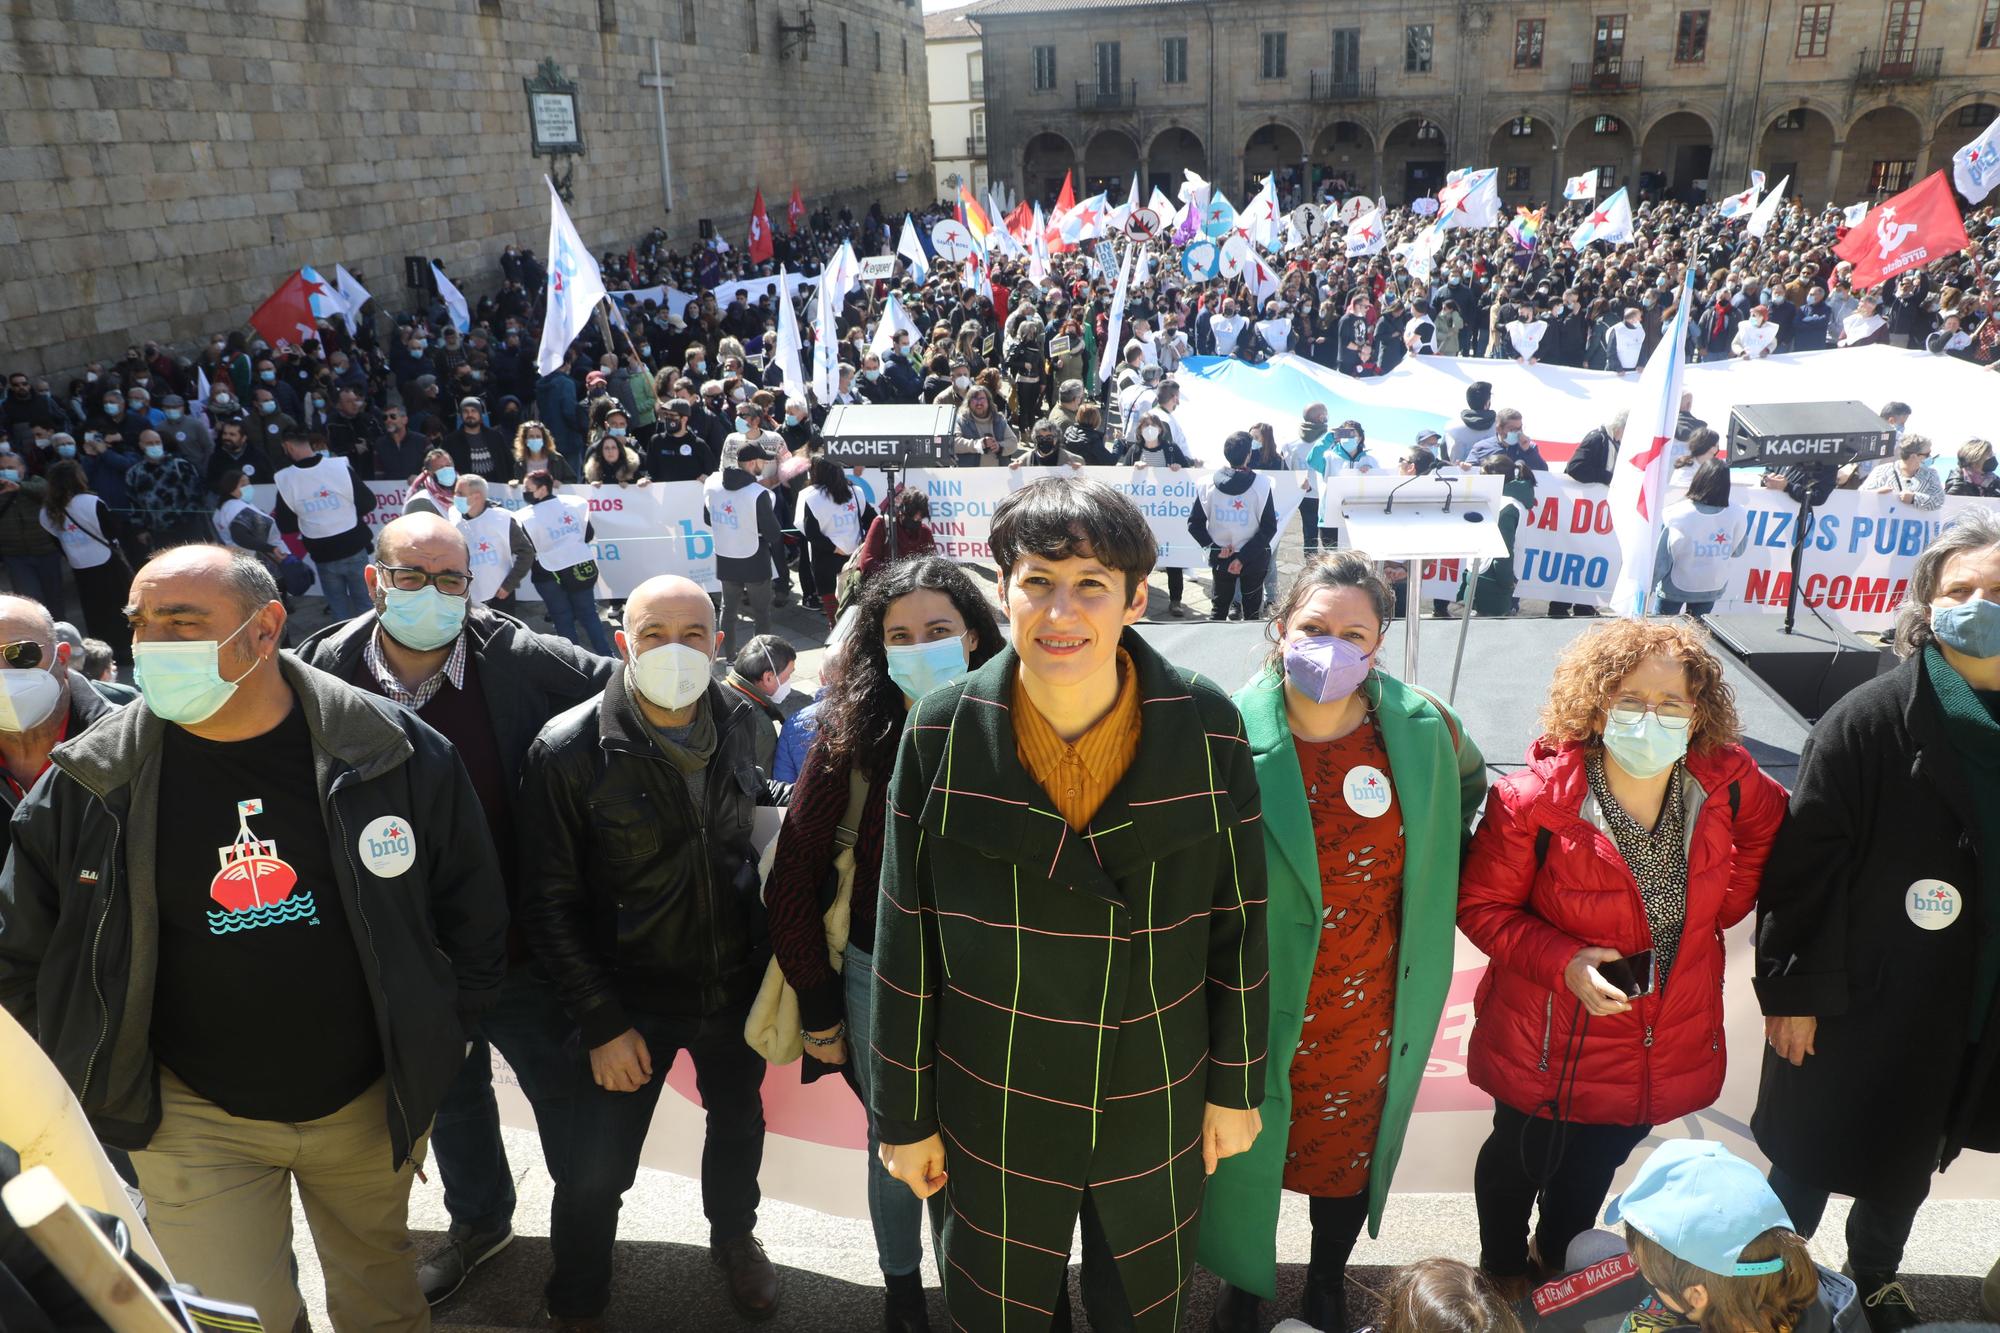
pixel 1634 976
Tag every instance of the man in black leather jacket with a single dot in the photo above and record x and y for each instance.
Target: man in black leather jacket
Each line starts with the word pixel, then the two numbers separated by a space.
pixel 640 897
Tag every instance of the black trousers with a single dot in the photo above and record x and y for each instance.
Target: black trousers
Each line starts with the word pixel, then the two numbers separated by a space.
pixel 1309 523
pixel 1250 583
pixel 1876 1230
pixel 1563 1168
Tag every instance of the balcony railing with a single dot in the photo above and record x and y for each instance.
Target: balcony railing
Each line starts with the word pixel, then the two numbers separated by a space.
pixel 1107 96
pixel 978 91
pixel 1347 85
pixel 1909 65
pixel 1610 74
pixel 976 146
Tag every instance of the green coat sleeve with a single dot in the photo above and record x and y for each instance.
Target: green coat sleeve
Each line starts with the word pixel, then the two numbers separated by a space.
pixel 1239 973
pixel 908 964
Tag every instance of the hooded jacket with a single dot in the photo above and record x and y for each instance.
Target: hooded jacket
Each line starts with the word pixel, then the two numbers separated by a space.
pixel 1237 481
pixel 79 932
pixel 1473 425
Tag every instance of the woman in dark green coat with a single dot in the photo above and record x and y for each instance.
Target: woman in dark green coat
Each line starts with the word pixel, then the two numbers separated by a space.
pixel 1369 789
pixel 1070 1008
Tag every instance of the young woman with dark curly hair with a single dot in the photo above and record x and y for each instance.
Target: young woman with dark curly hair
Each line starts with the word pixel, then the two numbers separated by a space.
pixel 917 623
pixel 1639 828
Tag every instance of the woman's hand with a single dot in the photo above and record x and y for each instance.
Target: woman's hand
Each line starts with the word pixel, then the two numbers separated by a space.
pixel 834 1052
pixel 1792 1038
pixel 1226 1132
pixel 643 481
pixel 918 1165
pixel 1599 996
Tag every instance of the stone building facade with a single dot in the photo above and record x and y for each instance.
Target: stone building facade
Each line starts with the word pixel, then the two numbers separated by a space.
pixel 1851 98
pixel 958 103
pixel 165 163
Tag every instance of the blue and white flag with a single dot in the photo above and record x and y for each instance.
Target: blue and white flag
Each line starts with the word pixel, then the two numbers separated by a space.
pixel 574 289
pixel 1975 168
pixel 453 298
pixel 911 248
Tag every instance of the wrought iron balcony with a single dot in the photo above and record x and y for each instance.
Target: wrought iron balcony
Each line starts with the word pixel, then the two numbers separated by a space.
pixel 1107 96
pixel 976 146
pixel 1347 85
pixel 1908 65
pixel 977 92
pixel 1610 74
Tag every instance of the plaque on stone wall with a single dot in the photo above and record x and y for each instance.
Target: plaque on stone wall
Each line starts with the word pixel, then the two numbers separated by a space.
pixel 552 113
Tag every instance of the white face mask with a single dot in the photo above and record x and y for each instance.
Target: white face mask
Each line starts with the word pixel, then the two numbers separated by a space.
pixel 1149 434
pixel 27 698
pixel 671 676
pixel 783 692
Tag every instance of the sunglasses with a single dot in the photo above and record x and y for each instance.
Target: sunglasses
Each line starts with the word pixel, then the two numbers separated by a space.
pixel 21 655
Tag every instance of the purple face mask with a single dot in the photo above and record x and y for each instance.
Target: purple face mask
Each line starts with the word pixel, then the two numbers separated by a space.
pixel 1325 669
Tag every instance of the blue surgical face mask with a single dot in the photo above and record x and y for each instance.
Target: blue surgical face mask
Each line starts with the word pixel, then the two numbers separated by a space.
pixel 1972 628
pixel 268 406
pixel 535 444
pixel 742 426
pixel 461 504
pixel 446 476
pixel 919 668
pixel 156 451
pixel 267 375
pixel 424 619
pixel 1646 748
pixel 1513 437
pixel 173 414
pixel 65 451
pixel 615 432
pixel 10 474
pixel 181 681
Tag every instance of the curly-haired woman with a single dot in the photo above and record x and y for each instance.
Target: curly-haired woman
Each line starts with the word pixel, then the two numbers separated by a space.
pixel 1639 828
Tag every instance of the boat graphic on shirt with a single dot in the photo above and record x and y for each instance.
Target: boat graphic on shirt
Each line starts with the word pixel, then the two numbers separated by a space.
pixel 255 886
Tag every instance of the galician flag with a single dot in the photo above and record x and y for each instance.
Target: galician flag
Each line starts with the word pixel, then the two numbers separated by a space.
pixel 453 298
pixel 1473 200
pixel 895 320
pixel 1739 205
pixel 575 286
pixel 1113 331
pixel 1084 222
pixel 353 296
pixel 1609 221
pixel 1975 168
pixel 1646 460
pixel 1766 211
pixel 1368 235
pixel 912 250
pixel 1259 218
pixel 1581 187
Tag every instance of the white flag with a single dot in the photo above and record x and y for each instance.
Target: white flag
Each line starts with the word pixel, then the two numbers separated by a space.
pixel 826 358
pixel 1581 187
pixel 1757 180
pixel 912 249
pixel 1645 461
pixel 575 287
pixel 1038 249
pixel 1975 168
pixel 1473 200
pixel 1367 236
pixel 794 383
pixel 1116 218
pixel 1851 216
pixel 1162 206
pixel 454 300
pixel 1259 218
pixel 1115 330
pixel 1738 205
pixel 1767 209
pixel 895 320
pixel 352 296
pixel 201 391
pixel 1611 220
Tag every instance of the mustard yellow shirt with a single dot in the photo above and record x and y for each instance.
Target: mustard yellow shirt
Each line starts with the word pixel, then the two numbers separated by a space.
pixel 1078 775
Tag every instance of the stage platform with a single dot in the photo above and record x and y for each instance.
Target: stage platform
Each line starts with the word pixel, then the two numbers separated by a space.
pixel 1508 664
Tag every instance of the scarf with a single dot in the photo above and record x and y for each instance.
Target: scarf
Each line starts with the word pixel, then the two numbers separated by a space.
pixel 1974 736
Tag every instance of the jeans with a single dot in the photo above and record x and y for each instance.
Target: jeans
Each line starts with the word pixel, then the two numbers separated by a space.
pixel 1669 607
pixel 607 1130
pixel 1104 1298
pixel 39 577
pixel 1876 1231
pixel 572 609
pixel 897 1214
pixel 340 582
pixel 539 1041
pixel 757 595
pixel 1507 1182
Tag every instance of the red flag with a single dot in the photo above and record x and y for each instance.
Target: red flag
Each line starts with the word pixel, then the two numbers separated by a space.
pixel 632 265
pixel 288 315
pixel 760 231
pixel 1064 203
pixel 795 211
pixel 1020 222
pixel 1909 230
pixel 1067 199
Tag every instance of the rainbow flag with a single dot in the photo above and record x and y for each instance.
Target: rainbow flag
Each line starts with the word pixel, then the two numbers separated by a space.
pixel 1526 228
pixel 973 215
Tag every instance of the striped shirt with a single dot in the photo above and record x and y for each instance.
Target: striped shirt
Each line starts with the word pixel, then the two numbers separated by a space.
pixel 1079 774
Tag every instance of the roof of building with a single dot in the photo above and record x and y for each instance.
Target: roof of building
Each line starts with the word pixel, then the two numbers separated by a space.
pixel 949 25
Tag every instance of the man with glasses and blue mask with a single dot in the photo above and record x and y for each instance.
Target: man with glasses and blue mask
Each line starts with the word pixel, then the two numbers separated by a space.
pixel 41 701
pixel 488 683
pixel 252 919
pixel 641 899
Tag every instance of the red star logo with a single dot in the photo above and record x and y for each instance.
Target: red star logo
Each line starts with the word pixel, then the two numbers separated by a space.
pixel 394 832
pixel 1373 783
pixel 1600 216
pixel 568 520
pixel 484 546
pixel 325 494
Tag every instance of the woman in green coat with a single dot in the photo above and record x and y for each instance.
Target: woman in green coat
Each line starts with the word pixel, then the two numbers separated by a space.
pixel 1369 790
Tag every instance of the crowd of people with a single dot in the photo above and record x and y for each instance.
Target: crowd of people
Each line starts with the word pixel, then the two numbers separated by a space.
pixel 1094 943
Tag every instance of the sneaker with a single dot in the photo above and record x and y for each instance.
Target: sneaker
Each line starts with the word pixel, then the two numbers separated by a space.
pixel 811 602
pixel 1886 1303
pixel 445 1271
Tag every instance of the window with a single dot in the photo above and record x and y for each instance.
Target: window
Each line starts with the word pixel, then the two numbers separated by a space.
pixel 1607 177
pixel 1528 37
pixel 843 41
pixel 1989 26
pixel 979 130
pixel 1891 177
pixel 690 34
pixel 1429 133
pixel 1516 178
pixel 1790 121
pixel 1977 116
pixel 878 50
pixel 1107 68
pixel 1273 64
pixel 1417 48
pixel 906 55
pixel 1045 68
pixel 1173 59
pixel 607 16
pixel 975 76
pixel 1347 132
pixel 1605 125
pixel 750 12
pixel 1609 43
pixel 1899 36
pixel 1691 41
pixel 1521 127
pixel 1815 27
pixel 1346 56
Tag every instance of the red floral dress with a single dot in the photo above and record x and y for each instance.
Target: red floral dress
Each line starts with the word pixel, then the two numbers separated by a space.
pixel 1340 1072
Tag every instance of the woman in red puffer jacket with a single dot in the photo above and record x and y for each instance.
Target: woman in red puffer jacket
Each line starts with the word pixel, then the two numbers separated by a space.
pixel 1639 824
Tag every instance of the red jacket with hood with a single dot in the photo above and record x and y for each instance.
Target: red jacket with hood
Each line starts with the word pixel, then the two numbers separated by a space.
pixel 1530 915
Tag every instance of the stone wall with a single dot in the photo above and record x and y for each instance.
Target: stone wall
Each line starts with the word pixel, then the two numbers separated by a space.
pixel 165 163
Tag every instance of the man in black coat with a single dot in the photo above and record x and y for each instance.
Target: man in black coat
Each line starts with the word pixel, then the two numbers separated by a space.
pixel 476 448
pixel 640 900
pixel 488 684
pixel 1569 333
pixel 1878 928
pixel 1591 465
